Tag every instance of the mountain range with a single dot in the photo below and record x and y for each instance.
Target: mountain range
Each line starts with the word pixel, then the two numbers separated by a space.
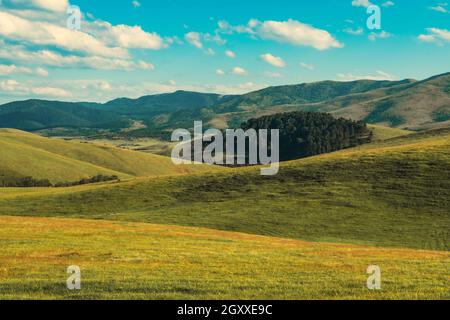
pixel 405 104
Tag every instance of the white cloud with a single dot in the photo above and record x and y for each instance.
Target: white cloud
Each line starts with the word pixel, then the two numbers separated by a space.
pixel 307 66
pixel 239 71
pixel 291 31
pixel 440 8
pixel 136 4
pixel 130 37
pixel 49 58
pixel 273 60
pixel 435 35
pixel 214 38
pixel 194 38
pixel 48 5
pixel 210 52
pixel 427 38
pixel 382 35
pixel 41 72
pixel 297 33
pixel 361 3
pixel 43 33
pixel 388 4
pixel 230 54
pixel 144 65
pixel 227 28
pixel 6 70
pixel 15 88
pixel 50 92
pixel 356 32
pixel 220 72
pixel 9 85
pixel 379 76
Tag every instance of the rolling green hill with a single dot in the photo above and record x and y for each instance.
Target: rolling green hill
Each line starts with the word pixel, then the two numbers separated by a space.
pixel 25 154
pixel 391 193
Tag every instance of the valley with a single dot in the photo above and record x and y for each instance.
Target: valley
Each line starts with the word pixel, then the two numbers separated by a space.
pixel 162 231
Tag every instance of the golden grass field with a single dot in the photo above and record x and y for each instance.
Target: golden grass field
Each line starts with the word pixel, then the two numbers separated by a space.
pixel 121 260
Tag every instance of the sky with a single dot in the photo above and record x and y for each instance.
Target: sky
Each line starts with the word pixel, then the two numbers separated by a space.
pixel 131 48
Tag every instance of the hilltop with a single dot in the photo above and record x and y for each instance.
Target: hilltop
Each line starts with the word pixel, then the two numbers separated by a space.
pixel 406 104
pixel 25 154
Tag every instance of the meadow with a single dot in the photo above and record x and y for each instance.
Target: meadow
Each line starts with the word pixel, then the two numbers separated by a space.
pixel 121 260
pixel 212 233
pixel 393 193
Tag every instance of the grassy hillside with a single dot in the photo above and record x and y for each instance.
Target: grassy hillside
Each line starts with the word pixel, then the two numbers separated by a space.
pixel 381 133
pixel 138 261
pixel 416 106
pixel 393 193
pixel 25 154
pixel 408 104
pixel 303 93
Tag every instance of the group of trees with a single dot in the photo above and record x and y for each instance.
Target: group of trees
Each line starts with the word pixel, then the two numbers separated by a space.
pixel 30 182
pixel 26 182
pixel 305 134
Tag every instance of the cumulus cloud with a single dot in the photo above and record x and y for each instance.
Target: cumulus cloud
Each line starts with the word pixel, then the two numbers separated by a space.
pixel 19 53
pixel 125 36
pixel 47 5
pixel 6 70
pixel 194 38
pixel 435 35
pixel 299 34
pixel 355 32
pixel 136 4
pixel 379 76
pixel 273 60
pixel 381 35
pixel 291 32
pixel 220 72
pixel 388 4
pixel 43 33
pixel 230 54
pixel 239 71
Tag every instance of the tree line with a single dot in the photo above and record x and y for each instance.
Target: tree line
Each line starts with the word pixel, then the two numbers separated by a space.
pixel 30 182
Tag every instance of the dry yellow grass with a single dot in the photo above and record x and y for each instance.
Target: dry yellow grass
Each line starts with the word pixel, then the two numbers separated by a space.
pixel 121 260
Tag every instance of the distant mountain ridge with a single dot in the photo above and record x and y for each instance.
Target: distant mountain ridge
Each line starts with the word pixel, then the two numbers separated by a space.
pixel 307 93
pixel 405 104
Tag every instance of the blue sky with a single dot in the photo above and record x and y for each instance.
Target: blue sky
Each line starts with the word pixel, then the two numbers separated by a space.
pixel 132 48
